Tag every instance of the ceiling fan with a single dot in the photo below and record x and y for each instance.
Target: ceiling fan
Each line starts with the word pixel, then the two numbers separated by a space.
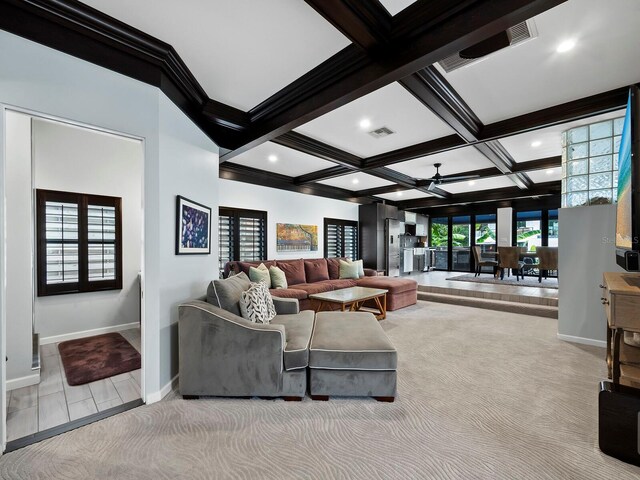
pixel 438 179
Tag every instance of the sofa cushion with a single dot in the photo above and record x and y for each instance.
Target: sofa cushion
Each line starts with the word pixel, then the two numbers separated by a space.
pixel 349 270
pixel 278 278
pixel 293 270
pixel 288 293
pixel 350 341
pixel 333 265
pixel 341 283
pixel 244 266
pixel 312 288
pixel 226 293
pixel 316 270
pixel 393 284
pixel 260 274
pixel 256 304
pixel 298 329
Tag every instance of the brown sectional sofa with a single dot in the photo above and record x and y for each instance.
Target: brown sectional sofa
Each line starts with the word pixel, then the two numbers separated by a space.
pixel 308 276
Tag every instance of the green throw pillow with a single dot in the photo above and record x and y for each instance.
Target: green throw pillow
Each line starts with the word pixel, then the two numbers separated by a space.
pixel 349 270
pixel 360 268
pixel 278 278
pixel 260 274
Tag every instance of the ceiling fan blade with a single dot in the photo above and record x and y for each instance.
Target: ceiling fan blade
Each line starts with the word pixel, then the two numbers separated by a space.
pixel 459 178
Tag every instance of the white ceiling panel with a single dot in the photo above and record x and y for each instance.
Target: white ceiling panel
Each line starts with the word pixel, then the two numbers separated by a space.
pixel 356 181
pixel 477 185
pixel 391 106
pixel 396 6
pixel 283 160
pixel 241 51
pixel 453 161
pixel 404 195
pixel 549 175
pixel 533 75
pixel 525 146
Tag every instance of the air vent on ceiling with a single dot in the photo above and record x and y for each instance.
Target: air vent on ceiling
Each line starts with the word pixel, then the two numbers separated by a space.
pixel 517 34
pixel 381 132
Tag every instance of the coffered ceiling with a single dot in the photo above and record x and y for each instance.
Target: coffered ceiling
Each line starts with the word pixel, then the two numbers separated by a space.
pixel 290 90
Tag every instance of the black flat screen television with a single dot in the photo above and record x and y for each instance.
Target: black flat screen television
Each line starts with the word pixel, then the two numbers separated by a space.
pixel 628 206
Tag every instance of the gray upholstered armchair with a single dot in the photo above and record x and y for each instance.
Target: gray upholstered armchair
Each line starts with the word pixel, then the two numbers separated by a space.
pixel 222 354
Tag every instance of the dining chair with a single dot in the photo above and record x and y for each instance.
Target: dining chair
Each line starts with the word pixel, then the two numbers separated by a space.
pixel 482 262
pixel 547 261
pixel 509 257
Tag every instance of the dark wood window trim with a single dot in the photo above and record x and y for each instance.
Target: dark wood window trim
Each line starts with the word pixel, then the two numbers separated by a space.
pixel 83 284
pixel 341 224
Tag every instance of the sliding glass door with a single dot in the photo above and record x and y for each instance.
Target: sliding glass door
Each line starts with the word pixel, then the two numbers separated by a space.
pixel 439 241
pixel 461 243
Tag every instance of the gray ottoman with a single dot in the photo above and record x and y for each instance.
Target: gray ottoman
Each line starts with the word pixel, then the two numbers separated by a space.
pixel 350 355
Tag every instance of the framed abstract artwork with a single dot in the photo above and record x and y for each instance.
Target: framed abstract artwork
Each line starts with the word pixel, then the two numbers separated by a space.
pixel 193 227
pixel 294 237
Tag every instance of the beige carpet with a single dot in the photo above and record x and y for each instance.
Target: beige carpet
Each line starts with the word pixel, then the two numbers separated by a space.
pixel 482 395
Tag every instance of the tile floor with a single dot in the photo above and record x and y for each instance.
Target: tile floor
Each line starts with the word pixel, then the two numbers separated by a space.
pixel 54 402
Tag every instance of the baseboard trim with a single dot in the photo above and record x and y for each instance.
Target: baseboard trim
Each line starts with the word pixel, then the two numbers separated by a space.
pixel 27 381
pixel 582 340
pixel 88 333
pixel 164 391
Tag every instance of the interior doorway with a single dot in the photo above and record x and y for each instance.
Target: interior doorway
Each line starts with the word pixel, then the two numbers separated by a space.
pixel 74 275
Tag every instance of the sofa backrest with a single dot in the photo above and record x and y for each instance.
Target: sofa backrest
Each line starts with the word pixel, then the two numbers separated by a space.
pixel 297 271
pixel 293 270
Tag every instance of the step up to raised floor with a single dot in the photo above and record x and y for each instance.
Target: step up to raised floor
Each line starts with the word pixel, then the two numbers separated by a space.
pixel 491 304
pixel 549 301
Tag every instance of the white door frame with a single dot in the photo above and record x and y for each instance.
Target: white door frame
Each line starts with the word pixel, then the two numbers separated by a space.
pixel 3 272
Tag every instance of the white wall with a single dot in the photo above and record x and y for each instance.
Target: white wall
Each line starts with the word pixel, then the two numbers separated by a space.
pixel 505 225
pixel 44 80
pixel 73 159
pixel 19 266
pixel 286 207
pixel 586 250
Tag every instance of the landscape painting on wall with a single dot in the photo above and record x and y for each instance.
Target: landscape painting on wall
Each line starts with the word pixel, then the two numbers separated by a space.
pixel 193 229
pixel 293 237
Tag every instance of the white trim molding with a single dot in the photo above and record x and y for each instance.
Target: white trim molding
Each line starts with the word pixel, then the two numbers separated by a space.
pixel 582 340
pixel 27 381
pixel 164 391
pixel 88 333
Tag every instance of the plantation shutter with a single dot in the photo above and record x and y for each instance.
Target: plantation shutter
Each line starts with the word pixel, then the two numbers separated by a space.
pixel 340 238
pixel 225 232
pixel 252 242
pixel 242 235
pixel 61 239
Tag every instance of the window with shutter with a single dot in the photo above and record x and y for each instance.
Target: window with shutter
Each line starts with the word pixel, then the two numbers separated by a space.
pixel 340 238
pixel 79 242
pixel 242 234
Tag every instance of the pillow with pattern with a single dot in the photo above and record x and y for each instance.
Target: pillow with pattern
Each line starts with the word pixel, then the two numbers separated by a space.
pixel 256 304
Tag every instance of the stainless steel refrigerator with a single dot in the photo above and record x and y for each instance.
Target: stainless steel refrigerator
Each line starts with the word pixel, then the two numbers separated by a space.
pixel 392 247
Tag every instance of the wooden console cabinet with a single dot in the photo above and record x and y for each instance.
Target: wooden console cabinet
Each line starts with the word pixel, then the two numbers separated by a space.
pixel 621 300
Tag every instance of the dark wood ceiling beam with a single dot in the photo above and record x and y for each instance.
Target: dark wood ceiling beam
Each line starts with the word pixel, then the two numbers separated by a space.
pixel 381 190
pixel 541 189
pixel 365 22
pixel 411 152
pixel 325 174
pixel 308 145
pixel 241 173
pixel 539 164
pixel 567 112
pixel 350 74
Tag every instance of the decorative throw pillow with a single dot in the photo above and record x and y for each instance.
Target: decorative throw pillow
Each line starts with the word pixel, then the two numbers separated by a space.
pixel 226 293
pixel 278 278
pixel 348 270
pixel 256 304
pixel 360 268
pixel 316 270
pixel 260 274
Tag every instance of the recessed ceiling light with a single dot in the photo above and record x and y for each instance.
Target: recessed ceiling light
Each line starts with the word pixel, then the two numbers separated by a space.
pixel 272 158
pixel 471 183
pixel 565 46
pixel 365 123
pixel 551 171
pixel 536 143
pixel 355 180
pixel 399 194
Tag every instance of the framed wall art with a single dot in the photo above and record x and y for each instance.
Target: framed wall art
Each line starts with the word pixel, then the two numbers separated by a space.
pixel 193 227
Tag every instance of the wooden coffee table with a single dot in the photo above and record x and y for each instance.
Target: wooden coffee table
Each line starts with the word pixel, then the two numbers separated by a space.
pixel 352 299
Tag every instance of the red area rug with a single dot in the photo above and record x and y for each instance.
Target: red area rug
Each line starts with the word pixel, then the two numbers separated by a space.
pixel 89 359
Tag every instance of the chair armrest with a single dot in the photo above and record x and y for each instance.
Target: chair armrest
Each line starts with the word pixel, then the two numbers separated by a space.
pixel 286 306
pixel 370 272
pixel 224 354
